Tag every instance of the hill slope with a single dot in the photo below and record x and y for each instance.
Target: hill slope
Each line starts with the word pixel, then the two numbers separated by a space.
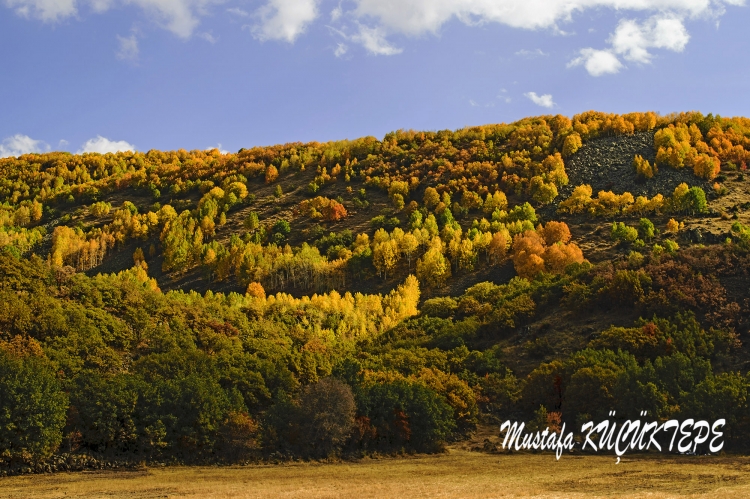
pixel 394 292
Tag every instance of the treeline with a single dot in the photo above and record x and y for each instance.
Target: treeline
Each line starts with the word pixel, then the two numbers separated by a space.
pixel 524 159
pixel 112 366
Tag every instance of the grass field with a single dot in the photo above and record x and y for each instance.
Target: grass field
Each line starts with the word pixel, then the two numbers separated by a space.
pixel 457 474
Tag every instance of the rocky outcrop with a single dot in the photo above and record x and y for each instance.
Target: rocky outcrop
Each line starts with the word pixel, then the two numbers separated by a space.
pixel 606 164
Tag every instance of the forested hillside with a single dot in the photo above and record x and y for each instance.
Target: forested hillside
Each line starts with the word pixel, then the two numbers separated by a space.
pixel 338 299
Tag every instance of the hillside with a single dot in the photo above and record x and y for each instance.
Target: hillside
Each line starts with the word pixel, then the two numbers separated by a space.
pixel 551 269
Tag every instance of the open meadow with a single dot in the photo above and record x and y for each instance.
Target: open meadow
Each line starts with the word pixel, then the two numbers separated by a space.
pixel 457 474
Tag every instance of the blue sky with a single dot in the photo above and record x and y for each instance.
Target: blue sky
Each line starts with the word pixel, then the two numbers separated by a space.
pixel 100 75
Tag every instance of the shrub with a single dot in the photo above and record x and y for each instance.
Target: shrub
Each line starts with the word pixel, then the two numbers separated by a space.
pixel 623 233
pixel 440 307
pixel 282 227
pixel 646 229
pixel 643 168
pixel 100 209
pixel 671 246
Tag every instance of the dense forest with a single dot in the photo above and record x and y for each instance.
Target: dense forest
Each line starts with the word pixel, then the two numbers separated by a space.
pixel 373 296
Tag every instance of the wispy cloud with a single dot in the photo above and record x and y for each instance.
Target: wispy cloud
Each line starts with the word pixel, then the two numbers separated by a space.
pixel 530 54
pixel 128 49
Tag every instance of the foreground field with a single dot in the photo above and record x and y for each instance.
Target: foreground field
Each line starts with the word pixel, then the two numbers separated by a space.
pixel 455 475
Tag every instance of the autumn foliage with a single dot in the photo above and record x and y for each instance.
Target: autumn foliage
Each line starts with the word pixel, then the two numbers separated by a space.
pixel 323 208
pixel 546 249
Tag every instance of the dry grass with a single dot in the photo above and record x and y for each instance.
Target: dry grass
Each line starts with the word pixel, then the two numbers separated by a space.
pixel 456 475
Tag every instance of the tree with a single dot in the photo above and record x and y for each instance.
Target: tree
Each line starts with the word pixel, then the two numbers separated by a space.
pixel 252 222
pixel 433 269
pixel 555 168
pixel 32 407
pixel 431 198
pixel 271 174
pixel 408 246
pixel 407 414
pixel 541 191
pixel 106 412
pixel 646 229
pixel 385 256
pixel 430 224
pixel 471 200
pixel 255 290
pixel 556 232
pixel 499 246
pixel 326 411
pixel 643 168
pixel 558 256
pixel 571 144
pixel 706 167
pixel 528 249
pixel 138 257
pixel 579 200
pixel 282 227
pixel 496 201
pixel 623 233
pixel 695 200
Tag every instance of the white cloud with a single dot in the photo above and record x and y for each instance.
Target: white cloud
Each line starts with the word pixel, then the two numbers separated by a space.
pixel 375 21
pixel 181 17
pixel 417 17
pixel 336 14
pixel 665 29
pixel 341 49
pixel 597 62
pixel 633 40
pixel 373 40
pixel 128 50
pixel 19 144
pixel 103 145
pixel 45 10
pixel 540 100
pixel 62 143
pixel 178 16
pixel 285 19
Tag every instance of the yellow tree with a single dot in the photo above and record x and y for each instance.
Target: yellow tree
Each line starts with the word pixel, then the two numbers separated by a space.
pixel 271 174
pixel 408 246
pixel 431 197
pixel 385 257
pixel 579 200
pixel 433 269
pixel 499 247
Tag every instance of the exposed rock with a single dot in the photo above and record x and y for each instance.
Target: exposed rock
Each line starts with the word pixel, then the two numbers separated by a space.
pixel 606 164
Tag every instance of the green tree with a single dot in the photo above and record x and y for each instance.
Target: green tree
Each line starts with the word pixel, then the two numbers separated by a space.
pixel 407 415
pixel 646 229
pixel 32 408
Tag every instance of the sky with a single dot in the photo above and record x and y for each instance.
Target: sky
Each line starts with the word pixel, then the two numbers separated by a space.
pixel 108 75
